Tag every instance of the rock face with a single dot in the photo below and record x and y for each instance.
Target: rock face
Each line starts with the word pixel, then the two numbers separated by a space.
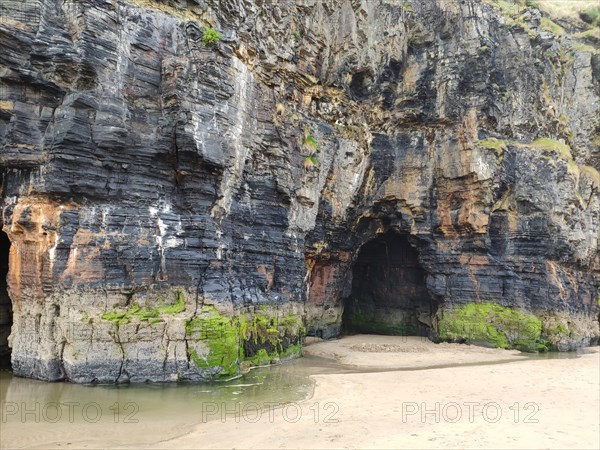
pixel 389 294
pixel 179 210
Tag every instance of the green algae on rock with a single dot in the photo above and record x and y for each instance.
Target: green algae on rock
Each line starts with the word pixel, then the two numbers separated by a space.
pixel 145 313
pixel 465 127
pixel 491 323
pixel 220 345
pixel 221 336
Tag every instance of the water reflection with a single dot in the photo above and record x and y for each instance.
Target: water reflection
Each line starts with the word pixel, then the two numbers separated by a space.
pixel 36 413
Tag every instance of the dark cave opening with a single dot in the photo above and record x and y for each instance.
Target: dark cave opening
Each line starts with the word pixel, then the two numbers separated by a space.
pixel 389 293
pixel 5 303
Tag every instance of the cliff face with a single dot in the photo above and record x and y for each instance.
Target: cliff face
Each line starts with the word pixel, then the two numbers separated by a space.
pixel 179 210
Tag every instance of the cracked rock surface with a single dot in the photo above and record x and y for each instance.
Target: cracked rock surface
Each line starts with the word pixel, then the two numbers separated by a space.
pixel 152 183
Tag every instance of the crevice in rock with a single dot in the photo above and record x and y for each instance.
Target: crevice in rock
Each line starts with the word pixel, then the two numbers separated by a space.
pixel 199 300
pixel 117 338
pixel 6 313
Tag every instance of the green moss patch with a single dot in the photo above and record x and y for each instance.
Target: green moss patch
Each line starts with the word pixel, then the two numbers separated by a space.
pixel 552 27
pixel 145 313
pixel 135 311
pixel 491 323
pixel 175 308
pixel 583 48
pixel 253 339
pixel 257 338
pixel 562 150
pixel 590 173
pixel 366 320
pixel 551 145
pixel 267 336
pixel 221 335
pixel 498 145
pixel 557 330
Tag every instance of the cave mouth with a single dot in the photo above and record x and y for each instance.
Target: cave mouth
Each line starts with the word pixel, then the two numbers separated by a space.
pixel 5 303
pixel 389 294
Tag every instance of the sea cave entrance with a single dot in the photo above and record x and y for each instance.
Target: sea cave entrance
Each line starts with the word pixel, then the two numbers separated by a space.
pixel 389 293
pixel 5 303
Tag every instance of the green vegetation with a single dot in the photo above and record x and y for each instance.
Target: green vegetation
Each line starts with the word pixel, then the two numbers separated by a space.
pixel 297 35
pixel 561 9
pixel 408 8
pixel 210 36
pixel 592 35
pixel 232 341
pixel 310 161
pixel 497 145
pixel 559 330
pixel 591 15
pixel 135 311
pixel 509 8
pixel 310 145
pixel 220 333
pixel 552 27
pixel 269 338
pixel 489 322
pixel 262 329
pixel 227 341
pixel 513 13
pixel 145 313
pixel 578 13
pixel 310 142
pixel 583 48
pixel 562 150
pixel 591 174
pixel 551 145
pixel 292 322
pixel 267 330
pixel 367 321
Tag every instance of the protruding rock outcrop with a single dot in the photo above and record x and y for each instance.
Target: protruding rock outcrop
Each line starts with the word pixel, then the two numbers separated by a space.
pixel 178 210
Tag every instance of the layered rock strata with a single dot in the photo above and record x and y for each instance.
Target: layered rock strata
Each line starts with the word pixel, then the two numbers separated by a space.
pixel 182 210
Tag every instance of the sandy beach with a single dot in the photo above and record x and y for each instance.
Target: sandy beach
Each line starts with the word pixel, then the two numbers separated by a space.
pixel 521 403
pixel 369 392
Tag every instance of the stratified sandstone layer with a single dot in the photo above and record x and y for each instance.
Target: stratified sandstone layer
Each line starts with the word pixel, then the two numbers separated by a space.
pixel 179 210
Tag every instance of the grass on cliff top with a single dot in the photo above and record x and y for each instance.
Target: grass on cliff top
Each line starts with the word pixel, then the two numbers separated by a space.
pixel 551 145
pixel 498 145
pixel 561 149
pixel 552 27
pixel 580 14
pixel 570 9
pixel 592 174
pixel 592 35
pixel 583 48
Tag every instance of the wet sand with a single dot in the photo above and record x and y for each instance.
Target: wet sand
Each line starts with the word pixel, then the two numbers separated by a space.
pixel 372 392
pixel 523 403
